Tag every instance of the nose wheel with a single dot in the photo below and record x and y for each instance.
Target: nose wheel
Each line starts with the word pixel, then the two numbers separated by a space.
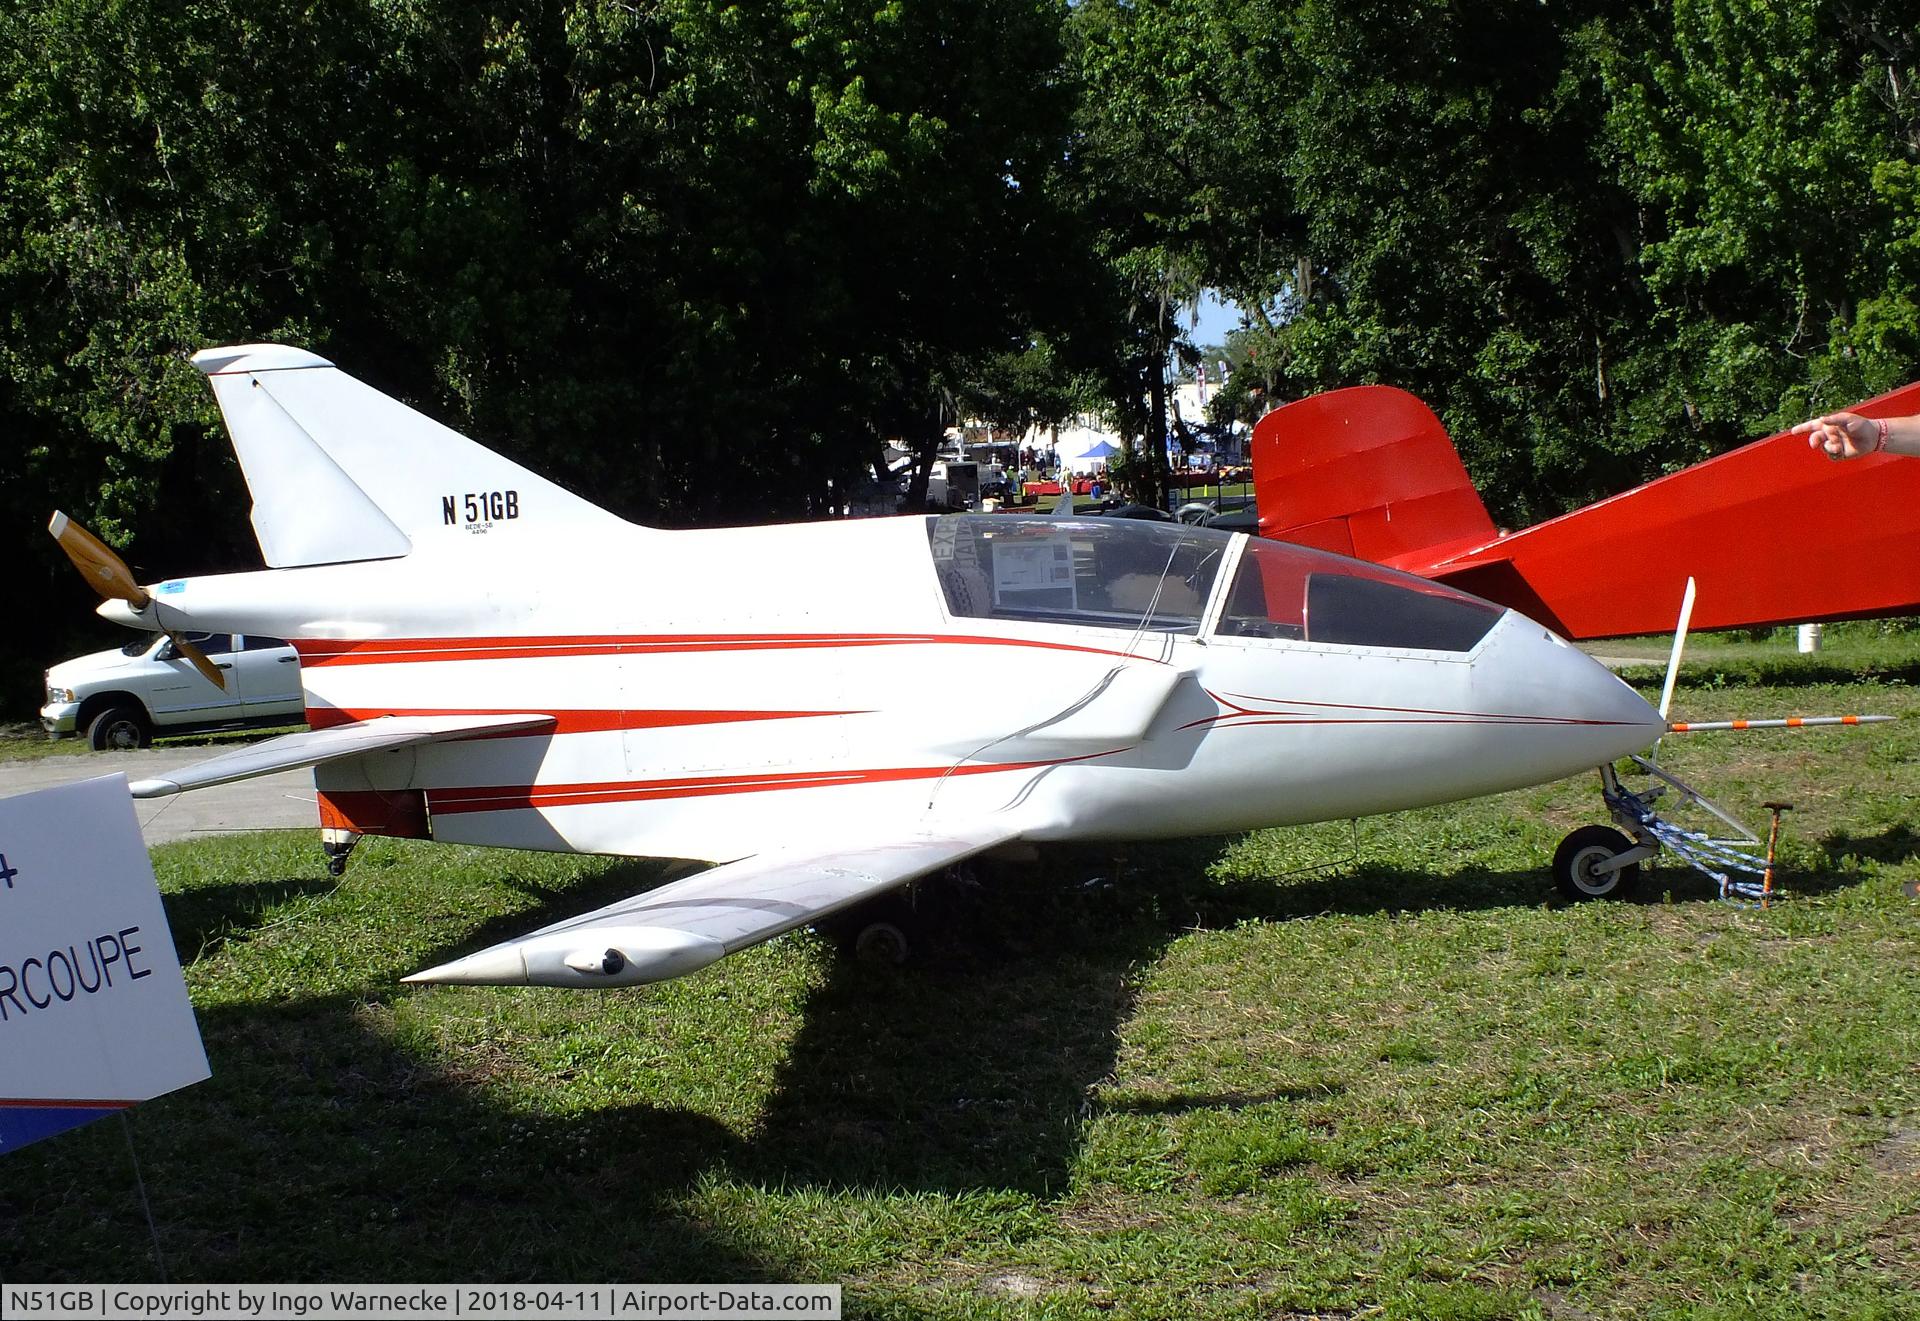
pixel 1591 864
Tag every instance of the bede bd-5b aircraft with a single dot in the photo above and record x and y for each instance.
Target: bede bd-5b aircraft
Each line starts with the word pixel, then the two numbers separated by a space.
pixel 489 659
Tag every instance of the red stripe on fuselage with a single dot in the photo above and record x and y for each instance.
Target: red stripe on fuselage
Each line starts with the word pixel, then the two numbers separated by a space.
pixel 565 722
pixel 400 651
pixel 1237 715
pixel 510 798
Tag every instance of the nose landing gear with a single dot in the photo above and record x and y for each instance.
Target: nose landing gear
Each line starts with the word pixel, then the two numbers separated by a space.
pixel 1599 862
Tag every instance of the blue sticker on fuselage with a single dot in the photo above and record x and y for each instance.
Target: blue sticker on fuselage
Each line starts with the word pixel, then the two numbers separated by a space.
pixel 172 587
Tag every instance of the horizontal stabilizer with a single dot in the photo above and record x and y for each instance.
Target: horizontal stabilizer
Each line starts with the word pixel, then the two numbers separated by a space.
pixel 683 926
pixel 322 745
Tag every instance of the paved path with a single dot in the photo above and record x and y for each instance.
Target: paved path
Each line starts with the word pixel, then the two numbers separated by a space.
pixel 267 803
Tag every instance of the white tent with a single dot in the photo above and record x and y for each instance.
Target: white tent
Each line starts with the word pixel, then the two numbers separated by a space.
pixel 1082 449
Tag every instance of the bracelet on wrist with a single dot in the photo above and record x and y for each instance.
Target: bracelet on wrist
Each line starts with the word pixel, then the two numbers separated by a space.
pixel 1881 429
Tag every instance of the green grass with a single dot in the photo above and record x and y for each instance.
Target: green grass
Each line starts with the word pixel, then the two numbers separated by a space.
pixel 1879 650
pixel 1349 1071
pixel 22 742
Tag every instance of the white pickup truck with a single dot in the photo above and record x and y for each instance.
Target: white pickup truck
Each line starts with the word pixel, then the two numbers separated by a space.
pixel 121 699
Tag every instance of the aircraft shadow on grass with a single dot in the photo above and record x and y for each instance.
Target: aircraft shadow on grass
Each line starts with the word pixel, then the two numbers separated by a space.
pixel 1897 843
pixel 206 918
pixel 976 1068
pixel 336 1153
pixel 972 1070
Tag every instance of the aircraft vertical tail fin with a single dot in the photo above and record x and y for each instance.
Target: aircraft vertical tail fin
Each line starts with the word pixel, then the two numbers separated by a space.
pixel 341 472
pixel 1369 472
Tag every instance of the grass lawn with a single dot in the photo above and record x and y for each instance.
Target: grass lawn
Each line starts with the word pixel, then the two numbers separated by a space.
pixel 1372 1070
pixel 21 741
pixel 1849 650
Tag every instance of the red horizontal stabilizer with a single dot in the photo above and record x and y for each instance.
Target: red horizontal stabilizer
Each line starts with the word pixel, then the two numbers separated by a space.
pixel 1368 472
pixel 1773 532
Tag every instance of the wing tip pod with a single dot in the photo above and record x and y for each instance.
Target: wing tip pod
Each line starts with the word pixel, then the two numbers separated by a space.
pixel 585 959
pixel 254 358
pixel 500 966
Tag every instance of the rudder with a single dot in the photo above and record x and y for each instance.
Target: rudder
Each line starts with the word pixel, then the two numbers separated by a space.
pixel 341 472
pixel 1367 471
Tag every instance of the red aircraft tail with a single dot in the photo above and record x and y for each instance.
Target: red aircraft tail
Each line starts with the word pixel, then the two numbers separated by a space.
pixel 1368 472
pixel 1773 532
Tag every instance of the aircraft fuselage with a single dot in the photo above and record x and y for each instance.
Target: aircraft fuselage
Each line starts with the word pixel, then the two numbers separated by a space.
pixel 719 693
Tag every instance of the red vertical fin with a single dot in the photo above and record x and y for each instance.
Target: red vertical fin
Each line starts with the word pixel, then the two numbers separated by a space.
pixel 1368 471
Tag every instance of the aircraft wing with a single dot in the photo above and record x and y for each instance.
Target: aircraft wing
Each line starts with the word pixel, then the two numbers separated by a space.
pixel 1369 471
pixel 321 745
pixel 683 926
pixel 1760 528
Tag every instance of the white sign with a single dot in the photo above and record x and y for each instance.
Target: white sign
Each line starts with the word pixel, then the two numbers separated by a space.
pixel 94 1013
pixel 1033 573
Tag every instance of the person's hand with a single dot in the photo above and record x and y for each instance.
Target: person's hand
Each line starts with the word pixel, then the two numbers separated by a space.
pixel 1844 435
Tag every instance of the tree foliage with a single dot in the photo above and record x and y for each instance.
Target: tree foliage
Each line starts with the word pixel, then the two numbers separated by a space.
pixel 1604 240
pixel 695 260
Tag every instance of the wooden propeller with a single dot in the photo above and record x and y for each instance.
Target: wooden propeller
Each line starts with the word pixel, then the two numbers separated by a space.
pixel 109 575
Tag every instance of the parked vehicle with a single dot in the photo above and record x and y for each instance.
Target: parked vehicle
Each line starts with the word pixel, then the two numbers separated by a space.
pixel 954 484
pixel 1137 511
pixel 122 698
pixel 1245 519
pixel 1238 510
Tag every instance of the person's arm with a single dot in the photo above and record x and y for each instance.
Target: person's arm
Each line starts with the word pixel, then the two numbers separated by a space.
pixel 1850 436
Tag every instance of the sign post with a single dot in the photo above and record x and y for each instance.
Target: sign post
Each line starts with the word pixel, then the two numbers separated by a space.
pixel 94 1015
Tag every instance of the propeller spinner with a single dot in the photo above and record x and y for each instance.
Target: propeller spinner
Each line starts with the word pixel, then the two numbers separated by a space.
pixel 109 575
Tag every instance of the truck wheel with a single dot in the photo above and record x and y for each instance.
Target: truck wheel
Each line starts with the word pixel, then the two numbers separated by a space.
pixel 118 728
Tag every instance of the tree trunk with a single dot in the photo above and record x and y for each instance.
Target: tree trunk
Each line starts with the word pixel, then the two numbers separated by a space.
pixel 925 444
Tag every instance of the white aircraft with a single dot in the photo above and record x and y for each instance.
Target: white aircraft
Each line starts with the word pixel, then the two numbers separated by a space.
pixel 489 659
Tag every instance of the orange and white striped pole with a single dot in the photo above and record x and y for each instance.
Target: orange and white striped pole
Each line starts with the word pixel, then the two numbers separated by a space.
pixel 1789 722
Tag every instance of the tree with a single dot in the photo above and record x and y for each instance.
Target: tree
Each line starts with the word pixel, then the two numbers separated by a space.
pixel 1772 150
pixel 1595 237
pixel 693 260
pixel 1175 169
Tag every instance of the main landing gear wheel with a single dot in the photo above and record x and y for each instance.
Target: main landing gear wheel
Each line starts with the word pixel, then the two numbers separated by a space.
pixel 879 933
pixel 1576 860
pixel 881 945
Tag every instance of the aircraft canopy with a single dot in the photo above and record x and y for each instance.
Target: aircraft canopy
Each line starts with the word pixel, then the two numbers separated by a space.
pixel 1131 574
